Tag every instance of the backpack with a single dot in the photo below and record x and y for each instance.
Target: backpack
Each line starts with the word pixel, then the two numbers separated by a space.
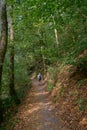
pixel 39 77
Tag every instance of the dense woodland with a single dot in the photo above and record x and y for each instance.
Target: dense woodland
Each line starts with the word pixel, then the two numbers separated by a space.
pixel 47 36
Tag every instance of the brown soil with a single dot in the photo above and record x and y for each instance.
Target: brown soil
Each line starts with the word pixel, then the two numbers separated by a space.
pixel 37 111
pixel 71 99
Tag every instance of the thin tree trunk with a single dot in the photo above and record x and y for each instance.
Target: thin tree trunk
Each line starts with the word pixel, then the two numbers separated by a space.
pixel 56 32
pixel 12 85
pixel 3 47
pixel 43 58
pixel 56 36
pixel 44 66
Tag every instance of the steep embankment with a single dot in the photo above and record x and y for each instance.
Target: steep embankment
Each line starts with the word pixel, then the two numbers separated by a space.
pixel 70 98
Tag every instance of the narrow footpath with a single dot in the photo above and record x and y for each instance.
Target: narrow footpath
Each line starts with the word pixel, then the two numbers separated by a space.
pixel 37 112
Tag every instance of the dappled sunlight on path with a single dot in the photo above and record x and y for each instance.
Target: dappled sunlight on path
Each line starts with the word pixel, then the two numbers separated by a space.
pixel 37 112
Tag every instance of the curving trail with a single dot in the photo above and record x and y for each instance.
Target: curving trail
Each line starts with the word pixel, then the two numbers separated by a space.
pixel 37 112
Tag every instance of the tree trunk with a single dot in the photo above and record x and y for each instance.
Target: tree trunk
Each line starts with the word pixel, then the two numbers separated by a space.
pixel 3 47
pixel 43 59
pixel 56 32
pixel 1 109
pixel 56 36
pixel 12 85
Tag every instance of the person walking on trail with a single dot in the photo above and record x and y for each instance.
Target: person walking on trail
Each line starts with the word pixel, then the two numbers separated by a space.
pixel 39 77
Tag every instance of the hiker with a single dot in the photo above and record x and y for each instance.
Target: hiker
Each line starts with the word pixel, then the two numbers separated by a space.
pixel 39 77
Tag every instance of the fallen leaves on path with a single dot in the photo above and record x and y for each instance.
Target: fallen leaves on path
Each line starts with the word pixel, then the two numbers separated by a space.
pixel 37 111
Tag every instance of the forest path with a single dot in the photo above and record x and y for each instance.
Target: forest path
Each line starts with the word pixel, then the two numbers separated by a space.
pixel 37 112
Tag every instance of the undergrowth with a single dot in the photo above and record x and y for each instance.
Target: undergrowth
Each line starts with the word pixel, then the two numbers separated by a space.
pixel 52 77
pixel 9 106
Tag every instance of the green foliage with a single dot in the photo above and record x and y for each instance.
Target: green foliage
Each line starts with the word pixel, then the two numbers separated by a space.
pixel 70 93
pixel 35 38
pixel 53 72
pixel 81 83
pixel 9 107
pixel 52 77
pixel 77 94
pixel 55 99
pixel 50 87
pixel 81 63
pixel 61 90
pixel 2 127
pixel 5 78
pixel 82 102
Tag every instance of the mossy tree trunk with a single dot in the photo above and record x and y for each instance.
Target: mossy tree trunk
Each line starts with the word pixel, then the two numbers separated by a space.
pixel 3 47
pixel 12 84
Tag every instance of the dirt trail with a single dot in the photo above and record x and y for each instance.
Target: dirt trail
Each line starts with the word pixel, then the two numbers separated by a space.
pixel 37 112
